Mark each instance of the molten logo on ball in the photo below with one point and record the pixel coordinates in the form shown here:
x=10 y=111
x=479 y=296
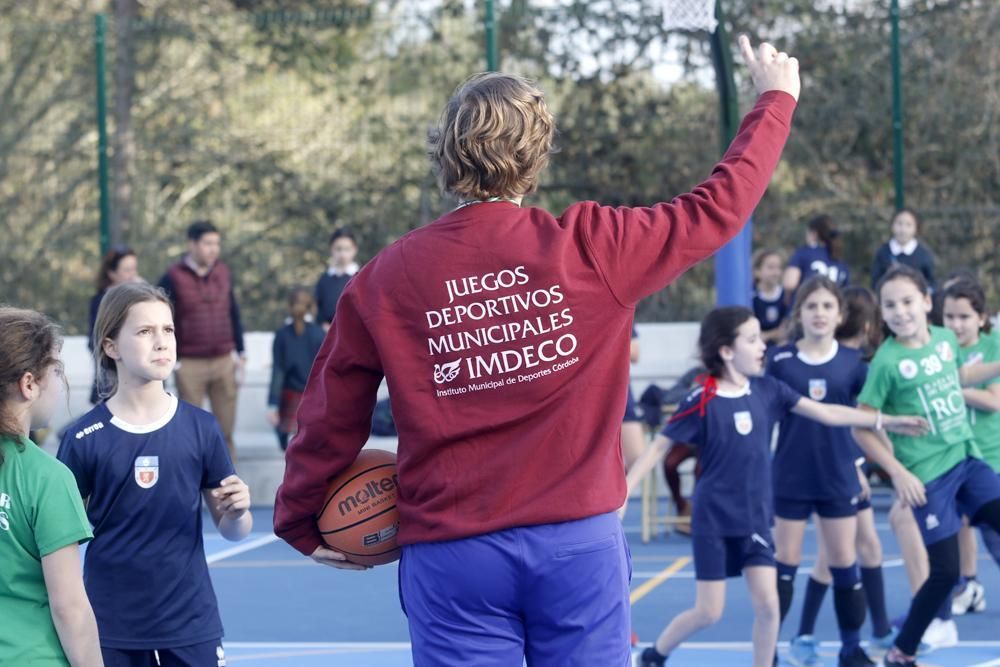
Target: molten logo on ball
x=370 y=492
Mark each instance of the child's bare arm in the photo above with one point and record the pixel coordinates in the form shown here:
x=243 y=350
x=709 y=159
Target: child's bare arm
x=647 y=461
x=978 y=373
x=842 y=415
x=987 y=400
x=72 y=615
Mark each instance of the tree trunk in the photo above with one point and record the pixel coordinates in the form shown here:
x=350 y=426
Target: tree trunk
x=122 y=137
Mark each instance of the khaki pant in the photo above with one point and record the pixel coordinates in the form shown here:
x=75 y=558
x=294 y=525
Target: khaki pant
x=216 y=377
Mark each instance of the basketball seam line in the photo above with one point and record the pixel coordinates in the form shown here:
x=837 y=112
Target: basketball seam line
x=358 y=523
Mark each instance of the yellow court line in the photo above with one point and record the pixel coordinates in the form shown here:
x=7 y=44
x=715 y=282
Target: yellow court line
x=667 y=572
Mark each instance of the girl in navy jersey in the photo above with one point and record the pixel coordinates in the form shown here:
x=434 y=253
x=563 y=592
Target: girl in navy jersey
x=815 y=469
x=769 y=306
x=859 y=329
x=730 y=418
x=145 y=462
x=820 y=256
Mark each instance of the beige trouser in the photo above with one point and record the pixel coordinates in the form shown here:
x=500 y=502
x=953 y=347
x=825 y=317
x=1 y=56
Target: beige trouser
x=216 y=377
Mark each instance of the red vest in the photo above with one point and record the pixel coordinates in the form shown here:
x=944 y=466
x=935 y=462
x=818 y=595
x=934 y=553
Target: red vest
x=202 y=311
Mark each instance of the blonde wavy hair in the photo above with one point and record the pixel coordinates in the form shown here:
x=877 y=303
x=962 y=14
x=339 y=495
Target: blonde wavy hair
x=493 y=139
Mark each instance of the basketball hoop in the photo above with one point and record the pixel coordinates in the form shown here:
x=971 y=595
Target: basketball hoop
x=689 y=15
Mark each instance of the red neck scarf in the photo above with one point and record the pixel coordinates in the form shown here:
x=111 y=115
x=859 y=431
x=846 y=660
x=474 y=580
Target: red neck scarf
x=709 y=389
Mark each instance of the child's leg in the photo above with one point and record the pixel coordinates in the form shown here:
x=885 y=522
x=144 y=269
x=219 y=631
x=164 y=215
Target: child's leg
x=869 y=548
x=904 y=526
x=633 y=442
x=788 y=536
x=943 y=559
x=819 y=582
x=839 y=535
x=709 y=601
x=967 y=550
x=991 y=538
x=761 y=580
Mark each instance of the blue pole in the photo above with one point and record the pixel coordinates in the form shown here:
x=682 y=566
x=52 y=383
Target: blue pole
x=733 y=284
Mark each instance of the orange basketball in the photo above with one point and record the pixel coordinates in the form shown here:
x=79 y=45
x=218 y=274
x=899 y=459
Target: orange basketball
x=359 y=517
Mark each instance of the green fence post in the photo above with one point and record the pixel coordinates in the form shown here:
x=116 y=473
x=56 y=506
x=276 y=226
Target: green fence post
x=100 y=32
x=897 y=107
x=490 y=23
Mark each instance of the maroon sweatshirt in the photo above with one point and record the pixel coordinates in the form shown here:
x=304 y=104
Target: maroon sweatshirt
x=503 y=334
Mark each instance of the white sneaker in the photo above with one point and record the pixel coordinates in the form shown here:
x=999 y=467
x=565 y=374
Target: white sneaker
x=939 y=634
x=972 y=598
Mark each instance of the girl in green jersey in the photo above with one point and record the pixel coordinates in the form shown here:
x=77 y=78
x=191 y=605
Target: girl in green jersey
x=940 y=475
x=45 y=616
x=965 y=313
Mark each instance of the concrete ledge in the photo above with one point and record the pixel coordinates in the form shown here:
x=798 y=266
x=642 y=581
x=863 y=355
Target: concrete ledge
x=667 y=351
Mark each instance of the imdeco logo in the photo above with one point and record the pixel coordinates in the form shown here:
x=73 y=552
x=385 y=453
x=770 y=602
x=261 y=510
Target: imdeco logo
x=447 y=372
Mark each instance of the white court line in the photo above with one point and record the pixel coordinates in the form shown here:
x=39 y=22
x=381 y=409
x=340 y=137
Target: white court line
x=988 y=663
x=802 y=572
x=688 y=645
x=242 y=548
x=318 y=645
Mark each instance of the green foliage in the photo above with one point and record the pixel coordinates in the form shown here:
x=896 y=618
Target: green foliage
x=281 y=120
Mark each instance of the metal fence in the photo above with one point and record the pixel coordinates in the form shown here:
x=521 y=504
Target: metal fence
x=280 y=126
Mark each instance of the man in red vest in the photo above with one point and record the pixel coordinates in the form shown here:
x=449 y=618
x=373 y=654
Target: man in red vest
x=208 y=327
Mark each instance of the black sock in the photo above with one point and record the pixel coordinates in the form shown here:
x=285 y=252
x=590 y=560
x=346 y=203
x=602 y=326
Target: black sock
x=871 y=579
x=815 y=592
x=944 y=562
x=786 y=587
x=849 y=603
x=652 y=655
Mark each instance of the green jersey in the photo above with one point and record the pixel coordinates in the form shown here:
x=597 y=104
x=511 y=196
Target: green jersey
x=924 y=382
x=40 y=512
x=985 y=425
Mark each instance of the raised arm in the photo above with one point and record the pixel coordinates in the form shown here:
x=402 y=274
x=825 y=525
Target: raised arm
x=642 y=249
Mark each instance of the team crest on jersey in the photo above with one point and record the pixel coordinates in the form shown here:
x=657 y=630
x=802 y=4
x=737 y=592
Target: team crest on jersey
x=817 y=389
x=147 y=471
x=743 y=421
x=944 y=351
x=771 y=314
x=973 y=359
x=908 y=369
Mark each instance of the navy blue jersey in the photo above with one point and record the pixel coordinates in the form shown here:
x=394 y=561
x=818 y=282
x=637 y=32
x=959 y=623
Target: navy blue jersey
x=816 y=261
x=770 y=312
x=813 y=461
x=733 y=495
x=145 y=571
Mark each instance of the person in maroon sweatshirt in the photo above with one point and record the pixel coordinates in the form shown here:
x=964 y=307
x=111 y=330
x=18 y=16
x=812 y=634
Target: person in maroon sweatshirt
x=208 y=327
x=503 y=332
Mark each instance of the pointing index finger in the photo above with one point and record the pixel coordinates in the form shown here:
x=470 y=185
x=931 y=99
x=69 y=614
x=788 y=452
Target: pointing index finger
x=746 y=49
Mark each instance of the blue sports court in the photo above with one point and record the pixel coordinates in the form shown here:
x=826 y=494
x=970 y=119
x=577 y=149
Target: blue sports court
x=280 y=609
